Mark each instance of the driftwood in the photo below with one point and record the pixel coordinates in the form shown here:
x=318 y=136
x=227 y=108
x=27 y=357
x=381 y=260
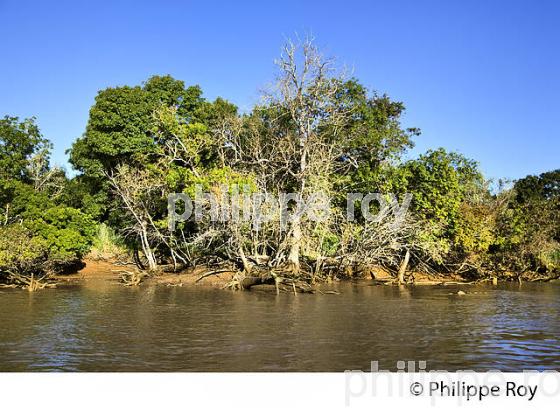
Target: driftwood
x=249 y=281
x=282 y=281
x=132 y=278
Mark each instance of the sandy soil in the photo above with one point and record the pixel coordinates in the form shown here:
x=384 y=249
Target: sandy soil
x=94 y=269
x=109 y=271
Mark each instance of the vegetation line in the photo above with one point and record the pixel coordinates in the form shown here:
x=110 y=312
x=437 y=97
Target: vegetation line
x=315 y=130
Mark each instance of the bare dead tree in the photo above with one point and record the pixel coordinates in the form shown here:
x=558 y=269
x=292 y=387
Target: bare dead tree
x=135 y=188
x=291 y=143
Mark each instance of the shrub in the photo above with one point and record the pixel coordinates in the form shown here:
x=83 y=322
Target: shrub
x=67 y=232
x=20 y=251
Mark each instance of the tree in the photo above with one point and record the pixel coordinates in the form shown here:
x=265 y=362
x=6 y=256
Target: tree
x=120 y=130
x=46 y=235
x=529 y=227
x=440 y=182
x=138 y=192
x=375 y=138
x=121 y=123
x=309 y=120
x=544 y=187
x=19 y=141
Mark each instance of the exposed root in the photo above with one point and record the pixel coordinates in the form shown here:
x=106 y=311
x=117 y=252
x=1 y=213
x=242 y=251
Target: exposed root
x=31 y=282
x=283 y=281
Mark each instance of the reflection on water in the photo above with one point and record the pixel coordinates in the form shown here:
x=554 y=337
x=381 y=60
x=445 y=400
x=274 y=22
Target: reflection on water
x=101 y=326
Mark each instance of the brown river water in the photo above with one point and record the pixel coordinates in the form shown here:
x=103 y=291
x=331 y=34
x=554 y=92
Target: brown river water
x=103 y=326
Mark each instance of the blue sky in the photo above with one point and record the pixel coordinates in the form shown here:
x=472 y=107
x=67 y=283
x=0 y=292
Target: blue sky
x=479 y=77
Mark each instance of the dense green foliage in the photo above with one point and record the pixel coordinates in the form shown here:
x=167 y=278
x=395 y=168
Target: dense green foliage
x=39 y=232
x=529 y=225
x=19 y=141
x=320 y=132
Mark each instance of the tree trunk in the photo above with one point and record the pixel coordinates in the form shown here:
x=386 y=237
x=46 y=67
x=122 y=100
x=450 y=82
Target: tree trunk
x=404 y=265
x=295 y=246
x=246 y=264
x=148 y=252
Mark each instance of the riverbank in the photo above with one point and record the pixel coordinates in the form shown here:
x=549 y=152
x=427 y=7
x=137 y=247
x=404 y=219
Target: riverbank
x=107 y=270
